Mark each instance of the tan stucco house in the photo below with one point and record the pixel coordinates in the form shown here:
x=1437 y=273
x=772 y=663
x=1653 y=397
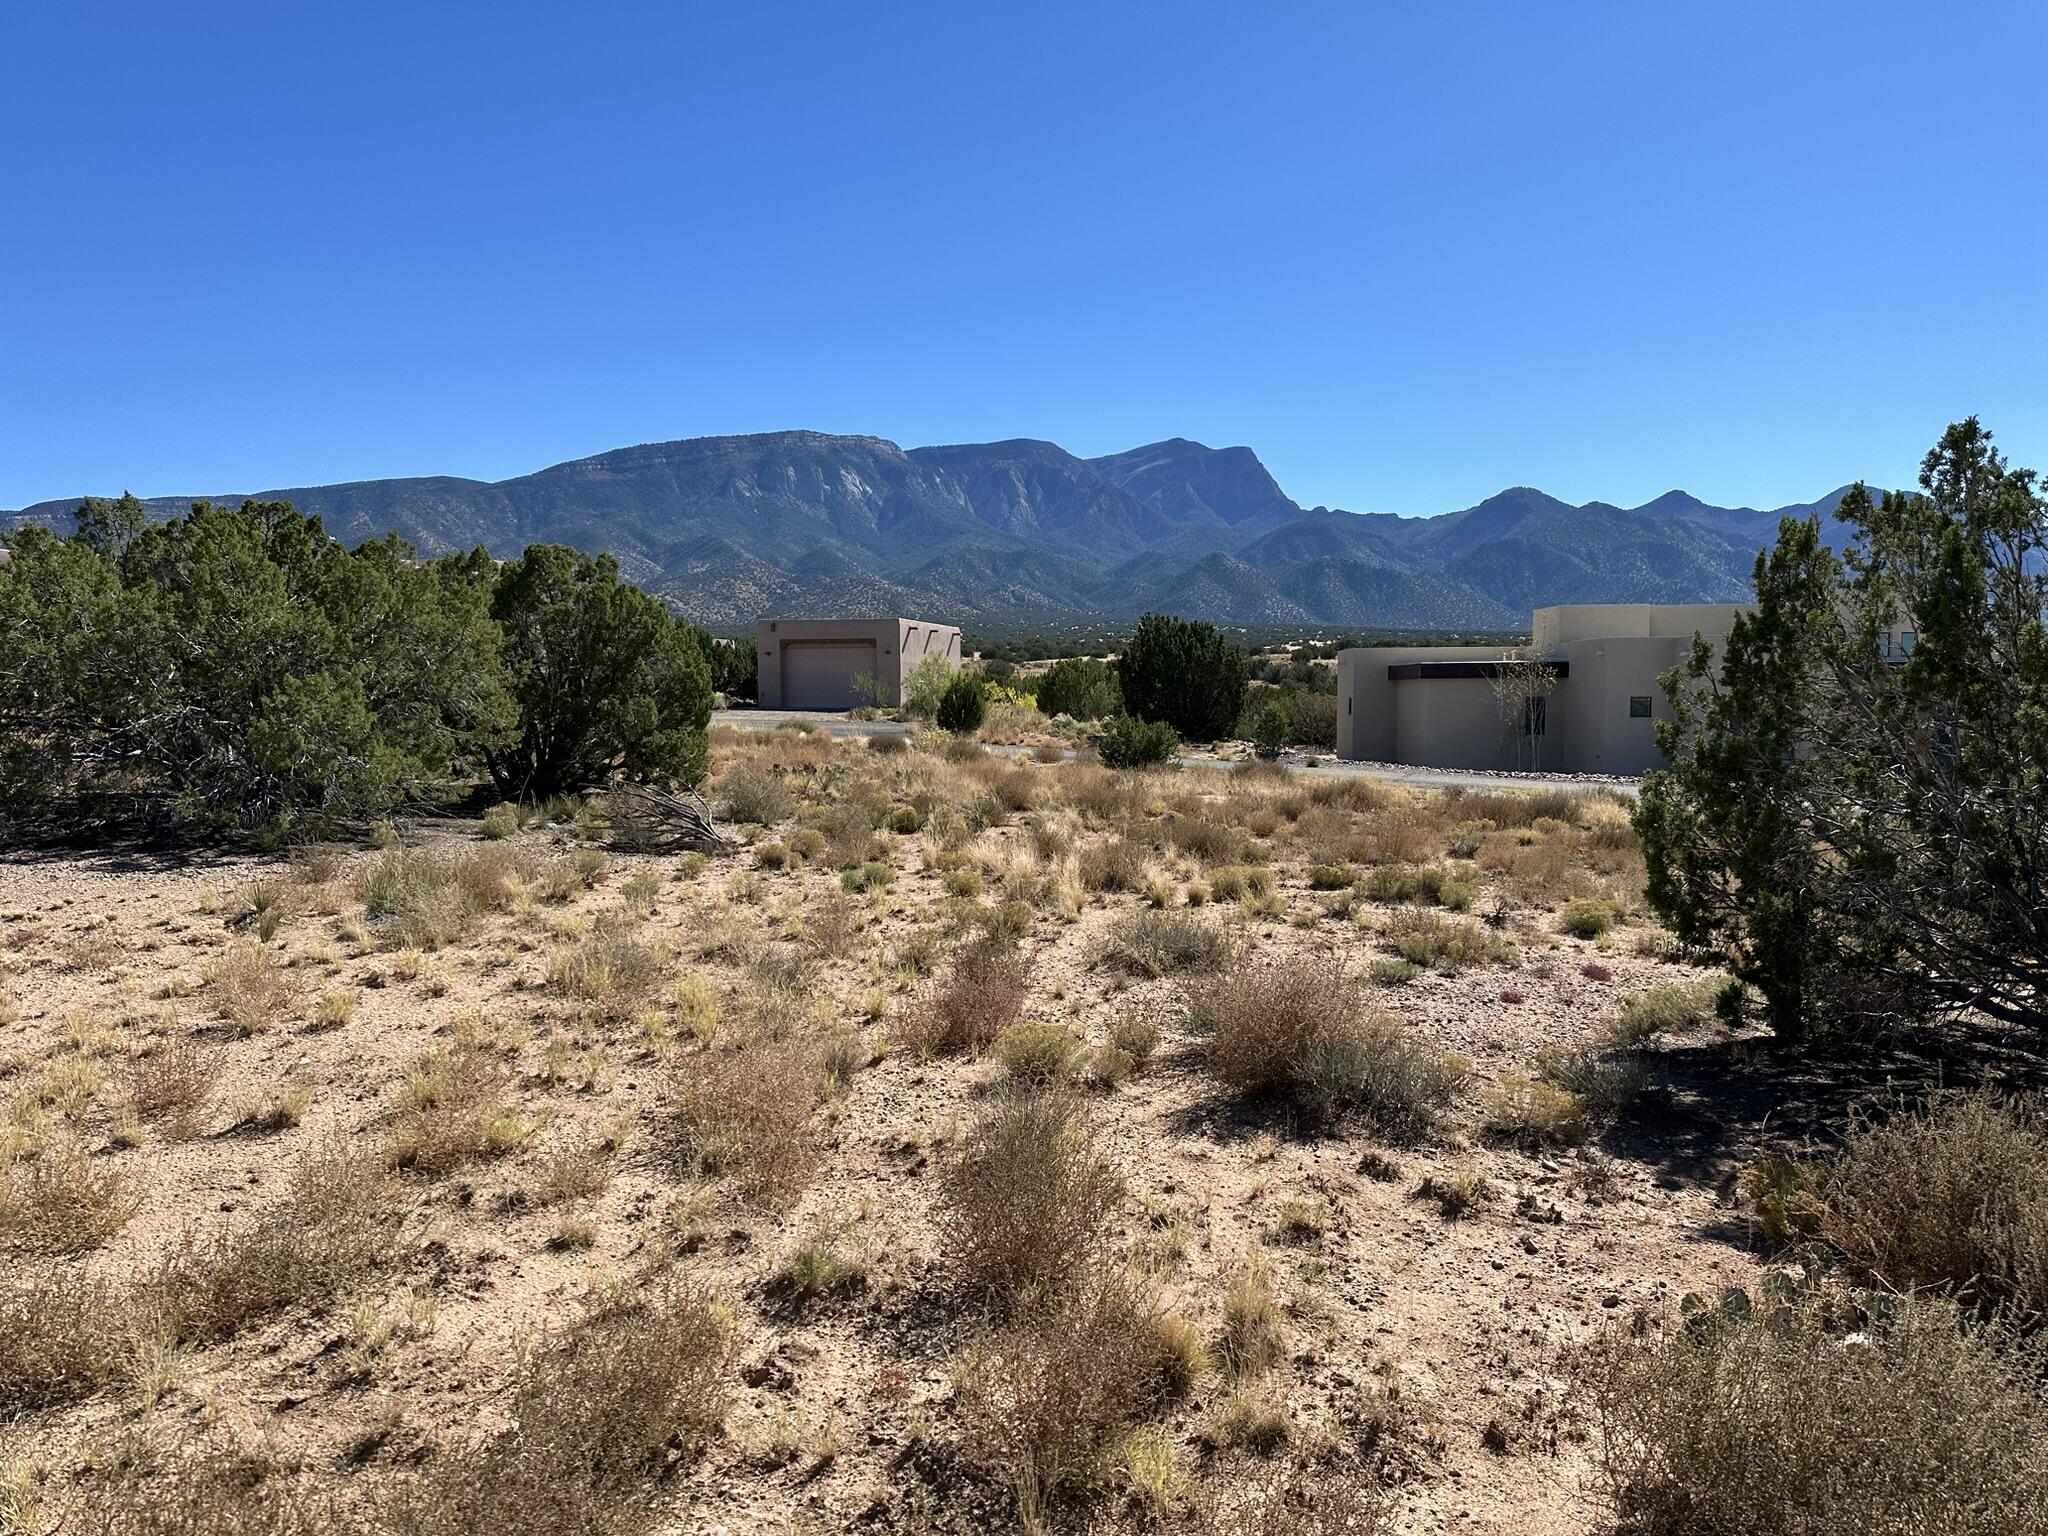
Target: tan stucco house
x=817 y=663
x=1439 y=706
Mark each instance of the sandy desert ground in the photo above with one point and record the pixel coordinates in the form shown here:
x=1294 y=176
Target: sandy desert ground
x=563 y=1083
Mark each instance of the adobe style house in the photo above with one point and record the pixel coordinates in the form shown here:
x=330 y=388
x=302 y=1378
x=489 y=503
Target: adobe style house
x=1459 y=706
x=824 y=663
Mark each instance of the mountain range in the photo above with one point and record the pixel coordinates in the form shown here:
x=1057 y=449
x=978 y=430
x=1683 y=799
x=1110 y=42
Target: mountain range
x=728 y=529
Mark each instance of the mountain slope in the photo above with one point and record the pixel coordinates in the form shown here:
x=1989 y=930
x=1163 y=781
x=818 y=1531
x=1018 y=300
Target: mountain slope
x=727 y=529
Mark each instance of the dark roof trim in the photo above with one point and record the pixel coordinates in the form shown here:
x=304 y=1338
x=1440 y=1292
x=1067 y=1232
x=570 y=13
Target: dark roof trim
x=1409 y=671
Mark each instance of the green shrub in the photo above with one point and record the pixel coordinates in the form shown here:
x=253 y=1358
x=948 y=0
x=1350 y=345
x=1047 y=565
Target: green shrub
x=1081 y=688
x=1270 y=727
x=1424 y=885
x=1182 y=671
x=1233 y=882
x=924 y=690
x=605 y=680
x=1133 y=743
x=871 y=876
x=963 y=706
x=1332 y=877
x=1585 y=918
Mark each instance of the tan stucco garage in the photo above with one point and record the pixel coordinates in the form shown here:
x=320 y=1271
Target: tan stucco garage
x=813 y=663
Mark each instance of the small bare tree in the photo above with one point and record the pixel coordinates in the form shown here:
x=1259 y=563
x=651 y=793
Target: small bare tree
x=1522 y=685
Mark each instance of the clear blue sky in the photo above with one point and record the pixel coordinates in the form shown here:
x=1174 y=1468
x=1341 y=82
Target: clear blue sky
x=1410 y=254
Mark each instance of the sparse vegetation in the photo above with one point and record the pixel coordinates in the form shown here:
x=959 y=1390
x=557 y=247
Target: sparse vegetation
x=895 y=1122
x=1310 y=1033
x=1753 y=1420
x=981 y=994
x=1026 y=1206
x=1163 y=943
x=746 y=1116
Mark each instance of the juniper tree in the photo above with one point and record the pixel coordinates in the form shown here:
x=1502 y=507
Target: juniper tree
x=1183 y=672
x=1857 y=807
x=605 y=680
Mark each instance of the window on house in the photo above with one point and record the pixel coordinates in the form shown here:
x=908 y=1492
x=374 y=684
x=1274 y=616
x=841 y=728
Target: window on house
x=1639 y=706
x=1535 y=715
x=1906 y=638
x=1884 y=644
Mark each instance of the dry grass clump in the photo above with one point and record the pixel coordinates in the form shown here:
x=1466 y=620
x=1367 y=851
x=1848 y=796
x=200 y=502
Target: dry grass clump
x=1754 y=1422
x=426 y=898
x=1047 y=1400
x=56 y=1345
x=249 y=988
x=1952 y=1197
x=173 y=1087
x=1025 y=1209
x=1038 y=1053
x=1573 y=1092
x=1253 y=1336
x=1403 y=832
x=753 y=794
x=1297 y=1496
x=1535 y=1112
x=1517 y=807
x=1154 y=943
x=62 y=1201
x=1437 y=885
x=980 y=995
x=338 y=1220
x=746 y=1115
x=596 y=1417
x=65 y=1335
x=832 y=927
x=611 y=969
x=1308 y=1032
x=849 y=836
x=454 y=1105
x=1116 y=864
x=1432 y=940
x=1212 y=841
x=203 y=1490
x=818 y=1267
x=1669 y=1009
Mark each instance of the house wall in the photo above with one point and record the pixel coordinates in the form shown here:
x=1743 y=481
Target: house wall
x=1590 y=729
x=899 y=645
x=1612 y=652
x=1371 y=725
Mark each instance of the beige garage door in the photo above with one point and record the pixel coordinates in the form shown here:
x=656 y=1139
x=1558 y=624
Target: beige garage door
x=819 y=674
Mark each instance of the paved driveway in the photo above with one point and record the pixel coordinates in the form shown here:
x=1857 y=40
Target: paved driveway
x=1326 y=768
